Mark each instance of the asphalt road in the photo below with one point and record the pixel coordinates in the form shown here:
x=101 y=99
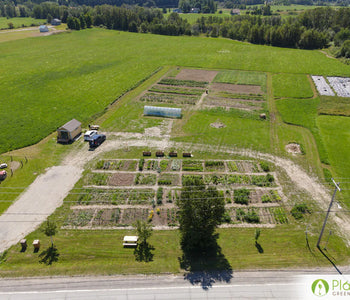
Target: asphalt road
x=242 y=285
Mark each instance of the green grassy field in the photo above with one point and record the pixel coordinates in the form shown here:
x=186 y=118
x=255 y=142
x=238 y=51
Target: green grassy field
x=242 y=77
x=20 y=22
x=303 y=112
x=291 y=86
x=336 y=136
x=44 y=83
x=240 y=131
x=101 y=252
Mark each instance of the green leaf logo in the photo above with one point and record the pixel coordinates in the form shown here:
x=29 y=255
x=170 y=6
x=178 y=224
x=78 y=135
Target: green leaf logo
x=320 y=287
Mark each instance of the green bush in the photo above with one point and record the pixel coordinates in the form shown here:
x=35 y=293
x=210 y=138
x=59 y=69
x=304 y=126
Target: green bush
x=159 y=196
x=141 y=163
x=264 y=166
x=251 y=217
x=241 y=196
x=299 y=210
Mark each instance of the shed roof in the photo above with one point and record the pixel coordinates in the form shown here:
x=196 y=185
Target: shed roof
x=71 y=125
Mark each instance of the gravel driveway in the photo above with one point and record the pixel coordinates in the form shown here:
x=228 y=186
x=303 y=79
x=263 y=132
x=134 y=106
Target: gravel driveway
x=39 y=201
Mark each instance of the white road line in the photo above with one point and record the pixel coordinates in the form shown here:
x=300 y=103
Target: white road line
x=149 y=289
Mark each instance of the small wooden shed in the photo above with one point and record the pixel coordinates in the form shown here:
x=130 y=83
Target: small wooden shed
x=69 y=131
x=55 y=22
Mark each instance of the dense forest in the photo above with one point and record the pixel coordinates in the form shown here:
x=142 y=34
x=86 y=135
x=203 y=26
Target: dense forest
x=313 y=29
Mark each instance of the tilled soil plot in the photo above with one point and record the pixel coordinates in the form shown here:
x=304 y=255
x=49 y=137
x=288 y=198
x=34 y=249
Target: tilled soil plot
x=236 y=88
x=121 y=179
x=196 y=75
x=236 y=103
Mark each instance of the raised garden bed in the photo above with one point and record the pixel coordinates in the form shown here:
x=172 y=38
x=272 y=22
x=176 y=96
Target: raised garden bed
x=192 y=166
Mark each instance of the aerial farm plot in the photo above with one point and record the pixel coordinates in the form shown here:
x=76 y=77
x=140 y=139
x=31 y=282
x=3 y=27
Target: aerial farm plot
x=322 y=86
x=113 y=195
x=340 y=85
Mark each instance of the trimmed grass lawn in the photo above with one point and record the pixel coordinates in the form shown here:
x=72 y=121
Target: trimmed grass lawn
x=291 y=86
x=336 y=136
x=303 y=112
x=101 y=252
x=239 y=131
x=46 y=81
x=242 y=77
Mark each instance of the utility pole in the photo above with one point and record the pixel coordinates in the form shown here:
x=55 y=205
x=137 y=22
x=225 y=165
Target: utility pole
x=337 y=188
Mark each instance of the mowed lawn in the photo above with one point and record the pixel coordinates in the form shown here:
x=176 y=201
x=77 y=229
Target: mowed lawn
x=47 y=81
x=101 y=252
x=239 y=131
x=336 y=135
x=291 y=86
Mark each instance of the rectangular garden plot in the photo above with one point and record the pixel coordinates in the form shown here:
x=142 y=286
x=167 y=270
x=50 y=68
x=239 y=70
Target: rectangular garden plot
x=106 y=217
x=192 y=165
x=214 y=166
x=141 y=196
x=121 y=165
x=79 y=217
x=236 y=88
x=130 y=215
x=145 y=179
x=121 y=179
x=103 y=196
x=97 y=179
x=170 y=98
x=169 y=179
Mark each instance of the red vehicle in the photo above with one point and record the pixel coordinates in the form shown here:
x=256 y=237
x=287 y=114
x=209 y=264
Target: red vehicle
x=3 y=175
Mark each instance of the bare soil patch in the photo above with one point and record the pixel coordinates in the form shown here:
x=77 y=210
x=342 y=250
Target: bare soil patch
x=196 y=75
x=293 y=148
x=236 y=88
x=217 y=125
x=121 y=179
x=14 y=165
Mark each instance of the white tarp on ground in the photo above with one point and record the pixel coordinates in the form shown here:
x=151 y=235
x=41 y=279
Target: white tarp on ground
x=322 y=86
x=340 y=85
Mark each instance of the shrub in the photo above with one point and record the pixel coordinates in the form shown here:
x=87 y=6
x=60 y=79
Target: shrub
x=251 y=217
x=159 y=196
x=241 y=196
x=141 y=163
x=266 y=198
x=299 y=210
x=264 y=166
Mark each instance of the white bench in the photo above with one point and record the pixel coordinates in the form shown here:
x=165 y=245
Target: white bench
x=130 y=241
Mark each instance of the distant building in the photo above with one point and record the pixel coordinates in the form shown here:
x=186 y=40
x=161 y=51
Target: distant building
x=43 y=28
x=56 y=22
x=177 y=10
x=69 y=131
x=195 y=10
x=235 y=12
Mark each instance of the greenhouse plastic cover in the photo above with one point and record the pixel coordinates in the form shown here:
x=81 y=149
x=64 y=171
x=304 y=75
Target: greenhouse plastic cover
x=170 y=112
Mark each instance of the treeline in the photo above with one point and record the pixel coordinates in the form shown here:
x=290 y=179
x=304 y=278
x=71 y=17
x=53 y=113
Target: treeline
x=133 y=19
x=313 y=29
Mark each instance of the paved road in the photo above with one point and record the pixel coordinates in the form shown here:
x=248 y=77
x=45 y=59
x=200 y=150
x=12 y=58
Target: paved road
x=248 y=285
x=39 y=201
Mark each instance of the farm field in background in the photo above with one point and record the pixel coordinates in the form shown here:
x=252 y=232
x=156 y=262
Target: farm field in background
x=20 y=22
x=91 y=76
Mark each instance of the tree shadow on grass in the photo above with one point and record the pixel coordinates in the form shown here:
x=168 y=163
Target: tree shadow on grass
x=143 y=252
x=258 y=246
x=207 y=267
x=49 y=255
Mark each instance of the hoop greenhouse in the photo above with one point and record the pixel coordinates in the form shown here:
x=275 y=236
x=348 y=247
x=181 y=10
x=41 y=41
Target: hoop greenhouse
x=169 y=112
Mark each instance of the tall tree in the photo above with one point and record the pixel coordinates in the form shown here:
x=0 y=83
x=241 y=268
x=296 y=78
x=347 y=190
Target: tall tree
x=200 y=211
